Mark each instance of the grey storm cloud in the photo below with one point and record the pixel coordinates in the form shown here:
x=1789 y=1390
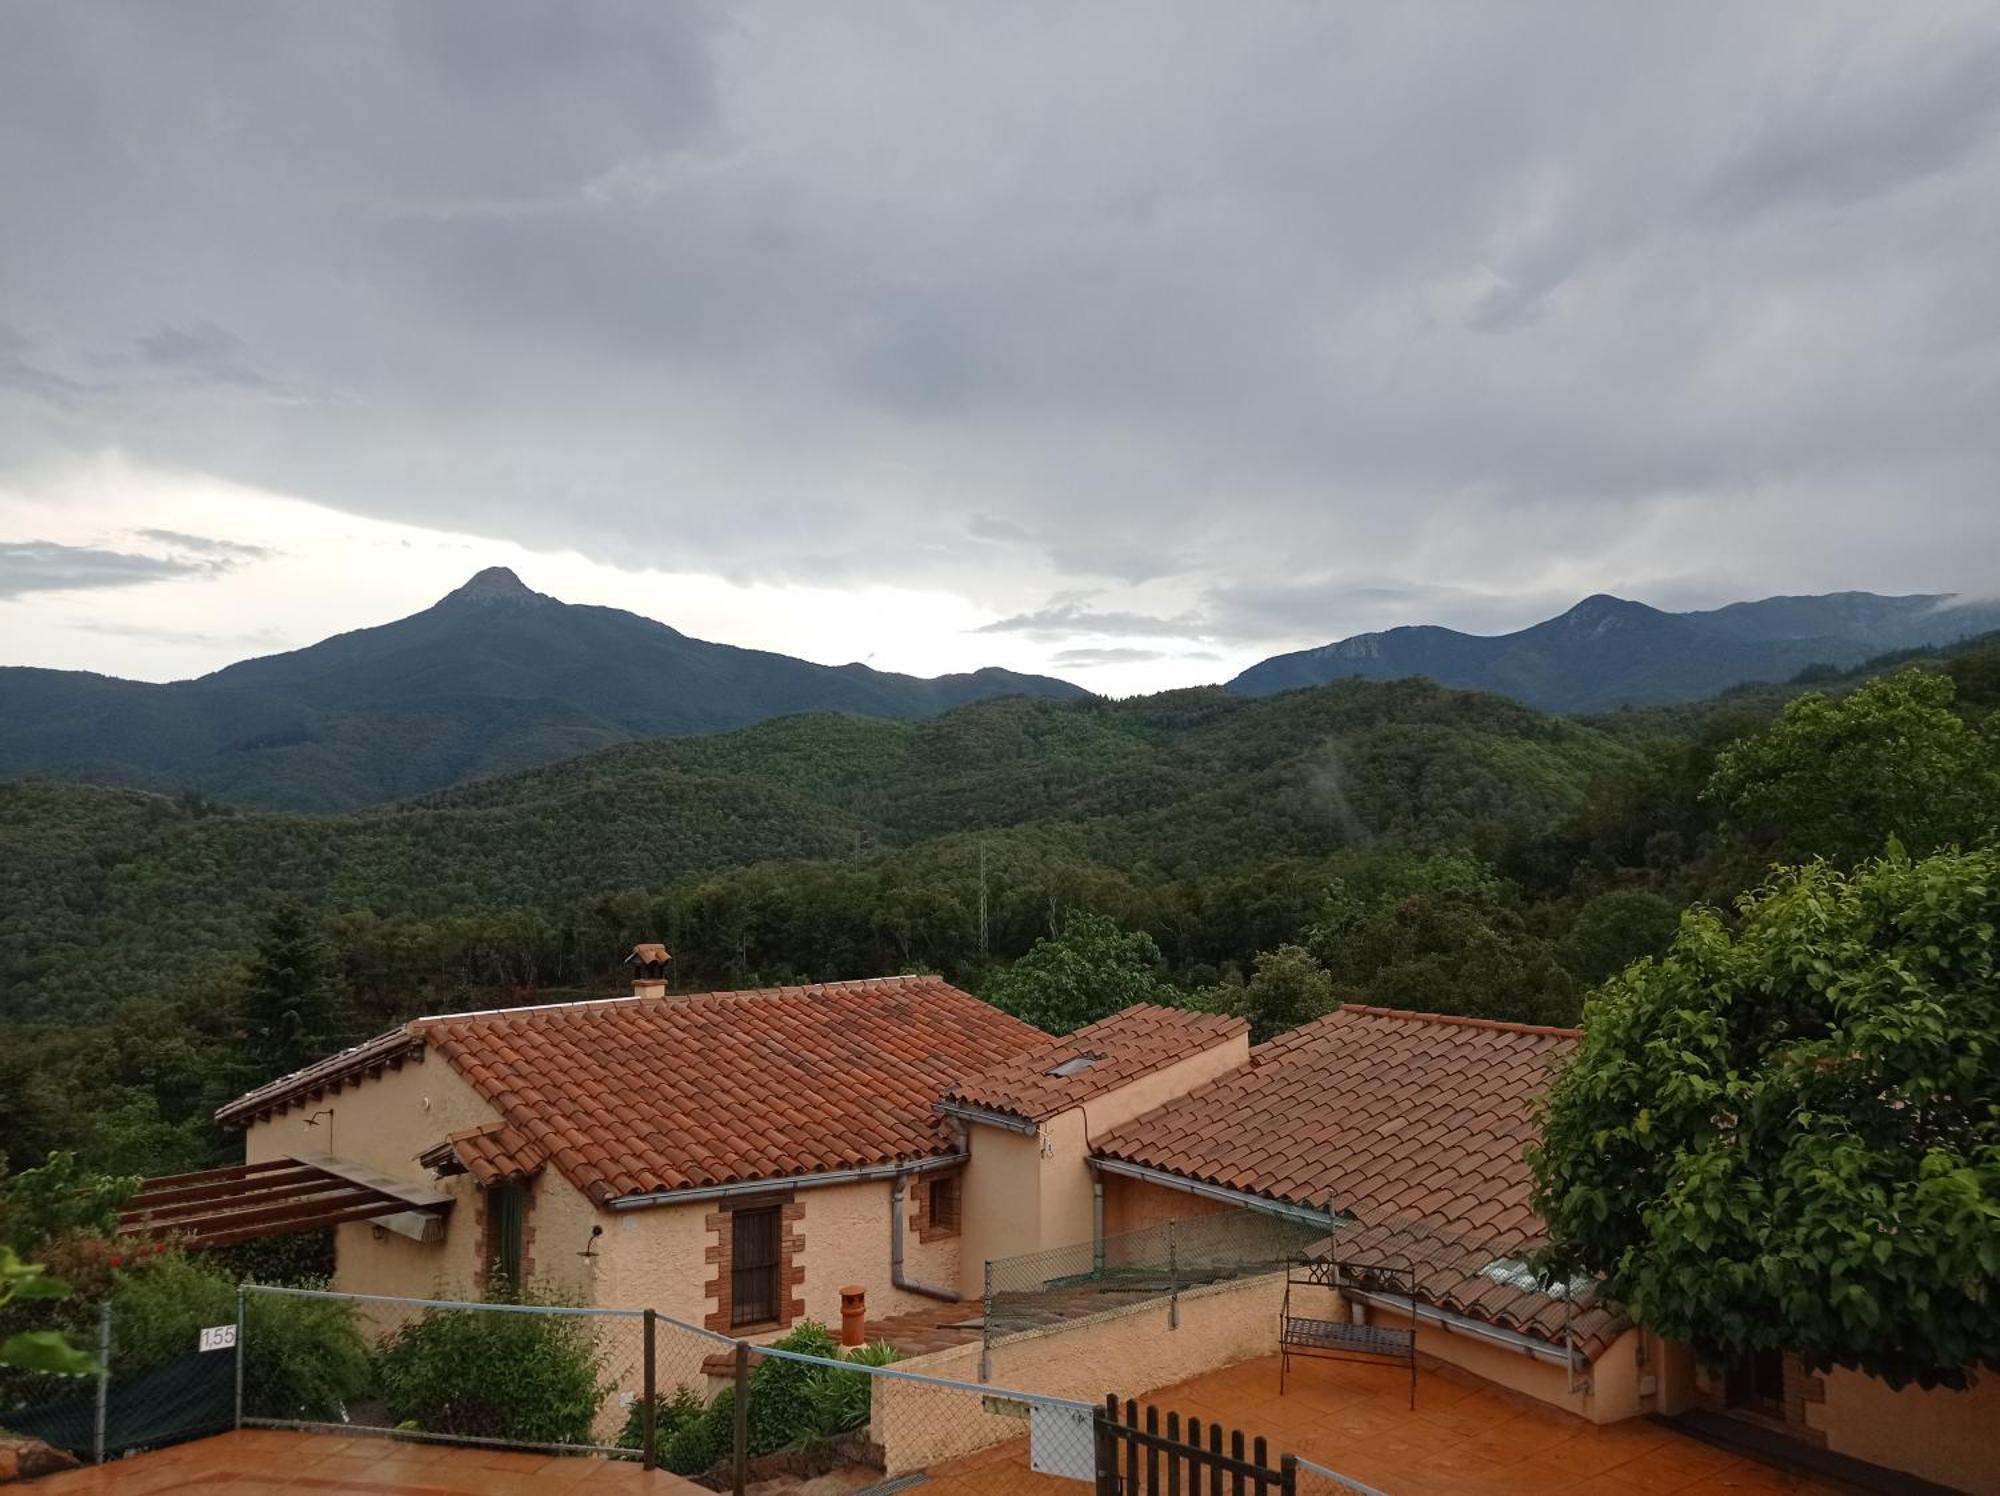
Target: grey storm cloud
x=1240 y=307
x=44 y=566
x=206 y=545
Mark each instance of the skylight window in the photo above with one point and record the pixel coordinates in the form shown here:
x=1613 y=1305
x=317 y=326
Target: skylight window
x=1514 y=1273
x=1074 y=1066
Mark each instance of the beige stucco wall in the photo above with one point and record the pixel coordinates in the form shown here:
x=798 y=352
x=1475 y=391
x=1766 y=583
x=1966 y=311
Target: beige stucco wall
x=653 y=1259
x=1130 y=1351
x=1002 y=1201
x=1134 y=1205
x=1608 y=1394
x=385 y=1123
x=1952 y=1438
x=657 y=1257
x=1031 y=1193
x=1138 y=1350
x=1115 y=1108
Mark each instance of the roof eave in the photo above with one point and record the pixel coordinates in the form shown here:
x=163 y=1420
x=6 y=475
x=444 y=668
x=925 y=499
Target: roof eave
x=861 y=1174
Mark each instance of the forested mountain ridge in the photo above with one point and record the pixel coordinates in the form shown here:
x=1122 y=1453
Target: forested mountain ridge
x=490 y=679
x=1607 y=652
x=1396 y=842
x=806 y=847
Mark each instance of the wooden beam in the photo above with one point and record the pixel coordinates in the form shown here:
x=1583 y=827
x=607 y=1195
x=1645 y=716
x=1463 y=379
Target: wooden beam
x=204 y=1176
x=316 y=1184
x=148 y=1199
x=234 y=1235
x=267 y=1214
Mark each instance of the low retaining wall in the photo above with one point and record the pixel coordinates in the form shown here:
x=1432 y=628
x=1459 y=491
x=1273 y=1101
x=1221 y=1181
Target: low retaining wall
x=1130 y=1351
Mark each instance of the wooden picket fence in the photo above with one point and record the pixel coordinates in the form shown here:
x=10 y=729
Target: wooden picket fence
x=1139 y=1454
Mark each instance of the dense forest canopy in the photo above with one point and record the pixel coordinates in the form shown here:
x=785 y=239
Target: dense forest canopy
x=1396 y=842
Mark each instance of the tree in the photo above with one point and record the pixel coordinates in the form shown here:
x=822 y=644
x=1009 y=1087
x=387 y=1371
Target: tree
x=58 y=1201
x=1089 y=971
x=1838 y=778
x=1787 y=1135
x=36 y=1350
x=1288 y=988
x=1438 y=932
x=292 y=1007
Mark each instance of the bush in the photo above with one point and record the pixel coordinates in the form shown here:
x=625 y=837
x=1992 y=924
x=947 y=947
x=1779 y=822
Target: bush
x=494 y=1374
x=302 y=1357
x=670 y=1416
x=792 y=1403
x=782 y=1393
x=699 y=1443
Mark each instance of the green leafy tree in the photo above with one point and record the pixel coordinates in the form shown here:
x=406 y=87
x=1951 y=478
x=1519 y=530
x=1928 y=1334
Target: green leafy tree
x=1438 y=932
x=1837 y=778
x=57 y=1201
x=1089 y=971
x=36 y=1350
x=292 y=1006
x=1786 y=1136
x=1289 y=987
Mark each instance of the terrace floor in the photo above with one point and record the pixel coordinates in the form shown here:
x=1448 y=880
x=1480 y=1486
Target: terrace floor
x=1465 y=1438
x=253 y=1462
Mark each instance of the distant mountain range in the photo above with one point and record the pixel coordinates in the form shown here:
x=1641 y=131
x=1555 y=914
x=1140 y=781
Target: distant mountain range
x=492 y=678
x=1606 y=652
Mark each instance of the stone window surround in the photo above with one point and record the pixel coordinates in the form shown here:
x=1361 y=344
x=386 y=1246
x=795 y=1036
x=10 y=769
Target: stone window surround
x=489 y=1249
x=791 y=1261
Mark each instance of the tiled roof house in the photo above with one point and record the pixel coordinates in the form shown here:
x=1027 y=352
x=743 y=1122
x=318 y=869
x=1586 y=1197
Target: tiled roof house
x=737 y=1159
x=732 y=1158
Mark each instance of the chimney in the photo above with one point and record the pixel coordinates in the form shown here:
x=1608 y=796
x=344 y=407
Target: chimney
x=649 y=968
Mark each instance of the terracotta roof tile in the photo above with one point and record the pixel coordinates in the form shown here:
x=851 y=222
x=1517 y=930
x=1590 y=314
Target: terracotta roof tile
x=1412 y=1124
x=1101 y=1057
x=494 y=1154
x=642 y=1095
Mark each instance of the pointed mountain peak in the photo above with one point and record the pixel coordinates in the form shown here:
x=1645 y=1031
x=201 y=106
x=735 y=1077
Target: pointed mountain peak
x=1602 y=610
x=496 y=584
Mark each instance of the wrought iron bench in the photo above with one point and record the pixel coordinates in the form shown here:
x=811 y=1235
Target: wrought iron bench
x=1339 y=1340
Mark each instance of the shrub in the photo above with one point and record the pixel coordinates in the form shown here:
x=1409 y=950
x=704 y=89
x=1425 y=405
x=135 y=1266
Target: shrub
x=782 y=1393
x=302 y=1357
x=670 y=1416
x=792 y=1403
x=494 y=1374
x=840 y=1399
x=700 y=1442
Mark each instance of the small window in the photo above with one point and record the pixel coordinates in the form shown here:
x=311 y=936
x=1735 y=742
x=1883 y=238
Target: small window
x=1074 y=1066
x=753 y=1266
x=942 y=1206
x=506 y=1223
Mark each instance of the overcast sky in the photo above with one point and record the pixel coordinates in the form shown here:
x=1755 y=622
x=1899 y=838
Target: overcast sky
x=1132 y=342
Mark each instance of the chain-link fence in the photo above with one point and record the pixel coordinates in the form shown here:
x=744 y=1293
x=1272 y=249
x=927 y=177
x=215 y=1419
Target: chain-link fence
x=150 y=1389
x=528 y=1376
x=629 y=1383
x=1313 y=1479
x=1038 y=1289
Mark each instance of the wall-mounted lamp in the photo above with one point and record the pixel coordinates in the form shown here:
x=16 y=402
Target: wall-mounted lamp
x=313 y=1121
x=590 y=1247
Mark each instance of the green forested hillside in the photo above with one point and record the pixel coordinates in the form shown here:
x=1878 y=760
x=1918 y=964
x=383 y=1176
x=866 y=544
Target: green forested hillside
x=1413 y=844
